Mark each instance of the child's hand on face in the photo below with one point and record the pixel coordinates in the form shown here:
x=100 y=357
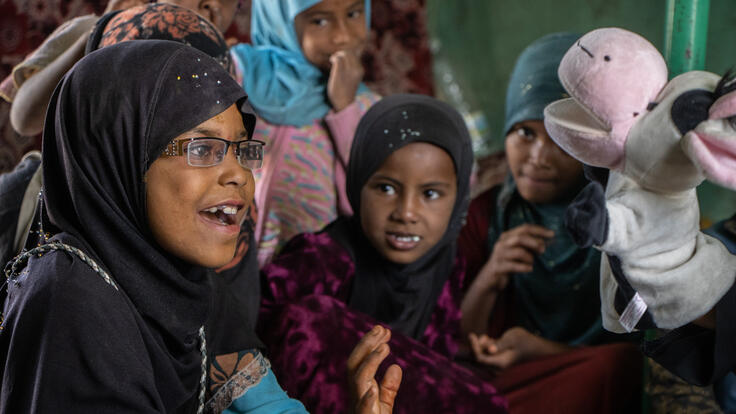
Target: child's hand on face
x=346 y=73
x=514 y=346
x=514 y=253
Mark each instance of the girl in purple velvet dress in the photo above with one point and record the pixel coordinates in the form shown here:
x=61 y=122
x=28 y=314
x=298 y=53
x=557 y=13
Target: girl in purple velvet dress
x=394 y=261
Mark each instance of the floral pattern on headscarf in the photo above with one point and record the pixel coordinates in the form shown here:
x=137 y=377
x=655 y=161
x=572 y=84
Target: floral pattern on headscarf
x=165 y=22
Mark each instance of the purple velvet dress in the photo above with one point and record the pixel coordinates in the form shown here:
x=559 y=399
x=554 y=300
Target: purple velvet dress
x=310 y=332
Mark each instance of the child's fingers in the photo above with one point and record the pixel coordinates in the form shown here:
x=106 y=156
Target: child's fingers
x=367 y=344
x=475 y=345
x=365 y=375
x=482 y=346
x=535 y=230
x=488 y=344
x=348 y=60
x=507 y=267
x=500 y=360
x=390 y=386
x=367 y=401
x=335 y=61
x=528 y=241
x=515 y=254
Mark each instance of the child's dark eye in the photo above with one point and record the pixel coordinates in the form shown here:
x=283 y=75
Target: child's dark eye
x=319 y=22
x=386 y=189
x=526 y=133
x=432 y=194
x=355 y=14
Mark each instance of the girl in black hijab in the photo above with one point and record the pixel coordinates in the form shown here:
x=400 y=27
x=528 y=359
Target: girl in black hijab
x=120 y=311
x=394 y=261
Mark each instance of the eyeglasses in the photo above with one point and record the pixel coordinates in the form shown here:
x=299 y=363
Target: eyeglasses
x=210 y=151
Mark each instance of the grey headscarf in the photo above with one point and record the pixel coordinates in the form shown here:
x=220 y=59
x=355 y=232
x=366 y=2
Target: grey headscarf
x=534 y=82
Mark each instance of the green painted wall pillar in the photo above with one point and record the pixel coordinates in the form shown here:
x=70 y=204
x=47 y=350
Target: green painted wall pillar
x=686 y=32
x=685 y=36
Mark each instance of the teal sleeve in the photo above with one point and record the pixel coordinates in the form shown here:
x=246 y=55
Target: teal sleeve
x=266 y=398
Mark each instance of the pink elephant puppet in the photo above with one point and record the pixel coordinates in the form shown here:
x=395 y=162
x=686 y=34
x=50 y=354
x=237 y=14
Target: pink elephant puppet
x=658 y=140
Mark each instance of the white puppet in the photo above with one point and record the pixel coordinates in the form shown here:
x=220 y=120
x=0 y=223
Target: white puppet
x=659 y=140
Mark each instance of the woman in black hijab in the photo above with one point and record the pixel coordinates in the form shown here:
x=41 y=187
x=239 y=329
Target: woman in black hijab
x=120 y=311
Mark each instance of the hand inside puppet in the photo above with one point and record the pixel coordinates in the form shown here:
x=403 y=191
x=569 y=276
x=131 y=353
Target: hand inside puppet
x=659 y=140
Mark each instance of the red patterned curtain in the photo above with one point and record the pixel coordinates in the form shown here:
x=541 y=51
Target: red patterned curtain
x=398 y=59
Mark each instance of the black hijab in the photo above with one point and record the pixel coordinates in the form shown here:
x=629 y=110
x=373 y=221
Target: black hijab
x=403 y=296
x=238 y=280
x=109 y=119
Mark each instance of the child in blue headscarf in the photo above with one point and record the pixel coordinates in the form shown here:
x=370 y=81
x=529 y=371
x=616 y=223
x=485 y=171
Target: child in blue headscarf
x=532 y=311
x=303 y=77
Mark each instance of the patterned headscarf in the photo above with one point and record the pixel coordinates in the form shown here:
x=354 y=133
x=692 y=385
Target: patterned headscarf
x=161 y=21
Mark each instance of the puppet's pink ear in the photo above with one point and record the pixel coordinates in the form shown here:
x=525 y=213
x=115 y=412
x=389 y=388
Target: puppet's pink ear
x=582 y=135
x=712 y=144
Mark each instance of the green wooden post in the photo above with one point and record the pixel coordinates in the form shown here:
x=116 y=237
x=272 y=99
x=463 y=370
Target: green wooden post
x=686 y=31
x=685 y=36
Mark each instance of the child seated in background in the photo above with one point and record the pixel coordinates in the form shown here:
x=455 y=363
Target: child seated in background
x=303 y=77
x=36 y=77
x=533 y=305
x=395 y=260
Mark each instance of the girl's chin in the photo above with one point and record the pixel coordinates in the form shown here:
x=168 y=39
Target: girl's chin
x=400 y=257
x=214 y=259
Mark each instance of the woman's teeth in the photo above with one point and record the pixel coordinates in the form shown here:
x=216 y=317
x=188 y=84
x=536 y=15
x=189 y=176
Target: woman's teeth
x=224 y=209
x=225 y=214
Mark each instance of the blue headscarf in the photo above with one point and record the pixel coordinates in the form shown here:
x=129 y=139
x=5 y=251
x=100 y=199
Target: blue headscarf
x=283 y=87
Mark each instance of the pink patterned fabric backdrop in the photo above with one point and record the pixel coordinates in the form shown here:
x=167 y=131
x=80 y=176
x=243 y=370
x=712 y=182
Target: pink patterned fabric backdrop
x=398 y=58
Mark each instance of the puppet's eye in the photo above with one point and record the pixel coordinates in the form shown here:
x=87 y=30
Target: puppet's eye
x=732 y=121
x=607 y=58
x=690 y=109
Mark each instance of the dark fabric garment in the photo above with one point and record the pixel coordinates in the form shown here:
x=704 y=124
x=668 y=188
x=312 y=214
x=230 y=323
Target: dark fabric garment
x=598 y=379
x=313 y=338
x=72 y=343
x=725 y=231
x=317 y=264
x=403 y=296
x=12 y=189
x=236 y=297
x=559 y=299
x=108 y=121
x=161 y=21
x=698 y=355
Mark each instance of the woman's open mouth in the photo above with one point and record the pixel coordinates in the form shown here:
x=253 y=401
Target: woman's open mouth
x=224 y=215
